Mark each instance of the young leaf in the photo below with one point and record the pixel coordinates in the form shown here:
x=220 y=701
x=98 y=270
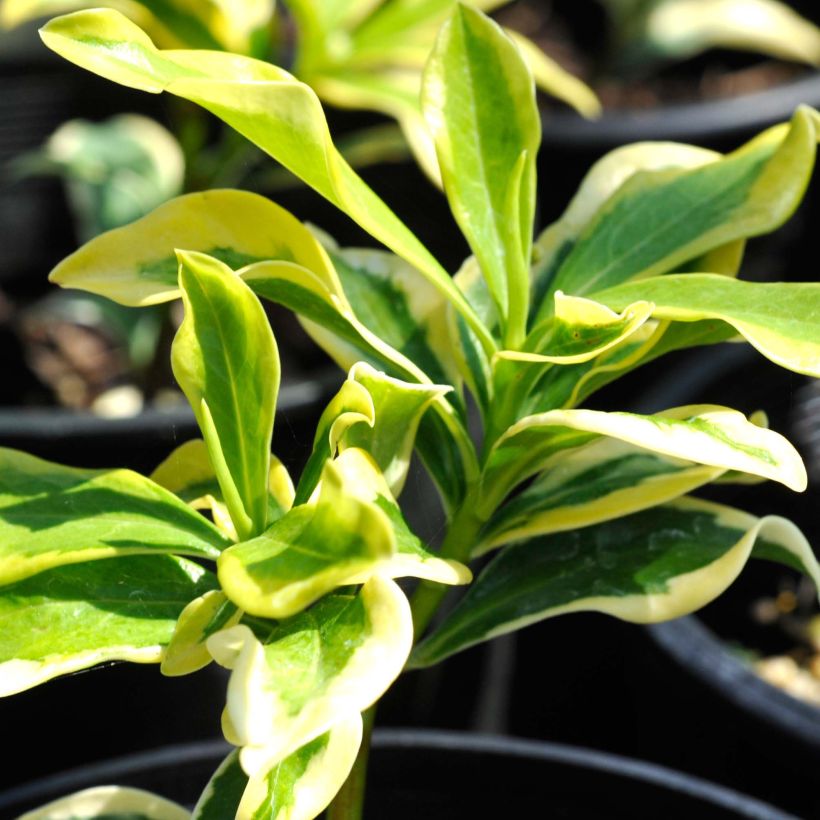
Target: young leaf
x=110 y=802
x=52 y=515
x=778 y=318
x=658 y=220
x=331 y=541
x=595 y=482
x=263 y=103
x=137 y=265
x=703 y=434
x=479 y=101
x=652 y=566
x=291 y=682
x=74 y=617
x=225 y=359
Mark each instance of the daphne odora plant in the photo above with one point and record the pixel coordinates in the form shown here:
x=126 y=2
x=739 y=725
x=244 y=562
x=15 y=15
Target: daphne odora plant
x=291 y=584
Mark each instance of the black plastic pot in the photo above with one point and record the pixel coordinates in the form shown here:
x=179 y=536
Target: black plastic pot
x=448 y=775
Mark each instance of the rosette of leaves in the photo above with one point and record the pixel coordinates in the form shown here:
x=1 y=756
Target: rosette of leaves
x=583 y=509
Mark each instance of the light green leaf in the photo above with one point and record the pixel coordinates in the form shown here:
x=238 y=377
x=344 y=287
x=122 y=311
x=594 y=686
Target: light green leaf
x=595 y=482
x=302 y=786
x=74 y=617
x=291 y=681
x=52 y=515
x=333 y=540
x=225 y=360
x=683 y=28
x=779 y=318
x=110 y=802
x=479 y=101
x=186 y=651
x=653 y=566
x=263 y=103
x=363 y=478
x=137 y=264
x=703 y=434
x=658 y=220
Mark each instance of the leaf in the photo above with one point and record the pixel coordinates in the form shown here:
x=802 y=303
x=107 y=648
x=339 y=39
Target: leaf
x=224 y=358
x=595 y=482
x=304 y=783
x=648 y=567
x=52 y=515
x=363 y=478
x=186 y=651
x=658 y=220
x=110 y=802
x=778 y=318
x=703 y=434
x=136 y=265
x=221 y=797
x=263 y=103
x=329 y=542
x=74 y=617
x=683 y=28
x=291 y=682
x=479 y=101
x=187 y=472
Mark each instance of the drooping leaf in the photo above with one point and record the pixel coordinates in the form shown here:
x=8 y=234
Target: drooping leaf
x=595 y=482
x=52 y=515
x=479 y=101
x=74 y=617
x=702 y=434
x=333 y=540
x=652 y=566
x=225 y=360
x=137 y=264
x=291 y=681
x=263 y=103
x=779 y=318
x=302 y=785
x=186 y=652
x=660 y=219
x=110 y=803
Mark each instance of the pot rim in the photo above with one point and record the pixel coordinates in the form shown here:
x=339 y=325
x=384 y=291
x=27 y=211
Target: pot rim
x=694 y=646
x=470 y=743
x=690 y=122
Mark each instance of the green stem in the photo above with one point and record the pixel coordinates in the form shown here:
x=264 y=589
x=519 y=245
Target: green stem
x=349 y=802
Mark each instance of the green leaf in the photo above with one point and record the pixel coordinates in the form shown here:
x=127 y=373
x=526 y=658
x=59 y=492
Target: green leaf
x=137 y=265
x=479 y=101
x=304 y=783
x=292 y=681
x=110 y=803
x=186 y=651
x=74 y=617
x=263 y=103
x=653 y=566
x=187 y=472
x=778 y=318
x=658 y=220
x=221 y=797
x=225 y=360
x=703 y=434
x=52 y=515
x=335 y=539
x=683 y=28
x=595 y=482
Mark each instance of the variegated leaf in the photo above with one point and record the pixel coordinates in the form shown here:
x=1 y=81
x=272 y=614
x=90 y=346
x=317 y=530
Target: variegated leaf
x=225 y=360
x=74 y=617
x=314 y=548
x=52 y=515
x=291 y=681
x=111 y=802
x=652 y=566
x=703 y=434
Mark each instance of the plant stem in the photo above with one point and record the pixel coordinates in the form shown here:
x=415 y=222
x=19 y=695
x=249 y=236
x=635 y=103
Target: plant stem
x=349 y=802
